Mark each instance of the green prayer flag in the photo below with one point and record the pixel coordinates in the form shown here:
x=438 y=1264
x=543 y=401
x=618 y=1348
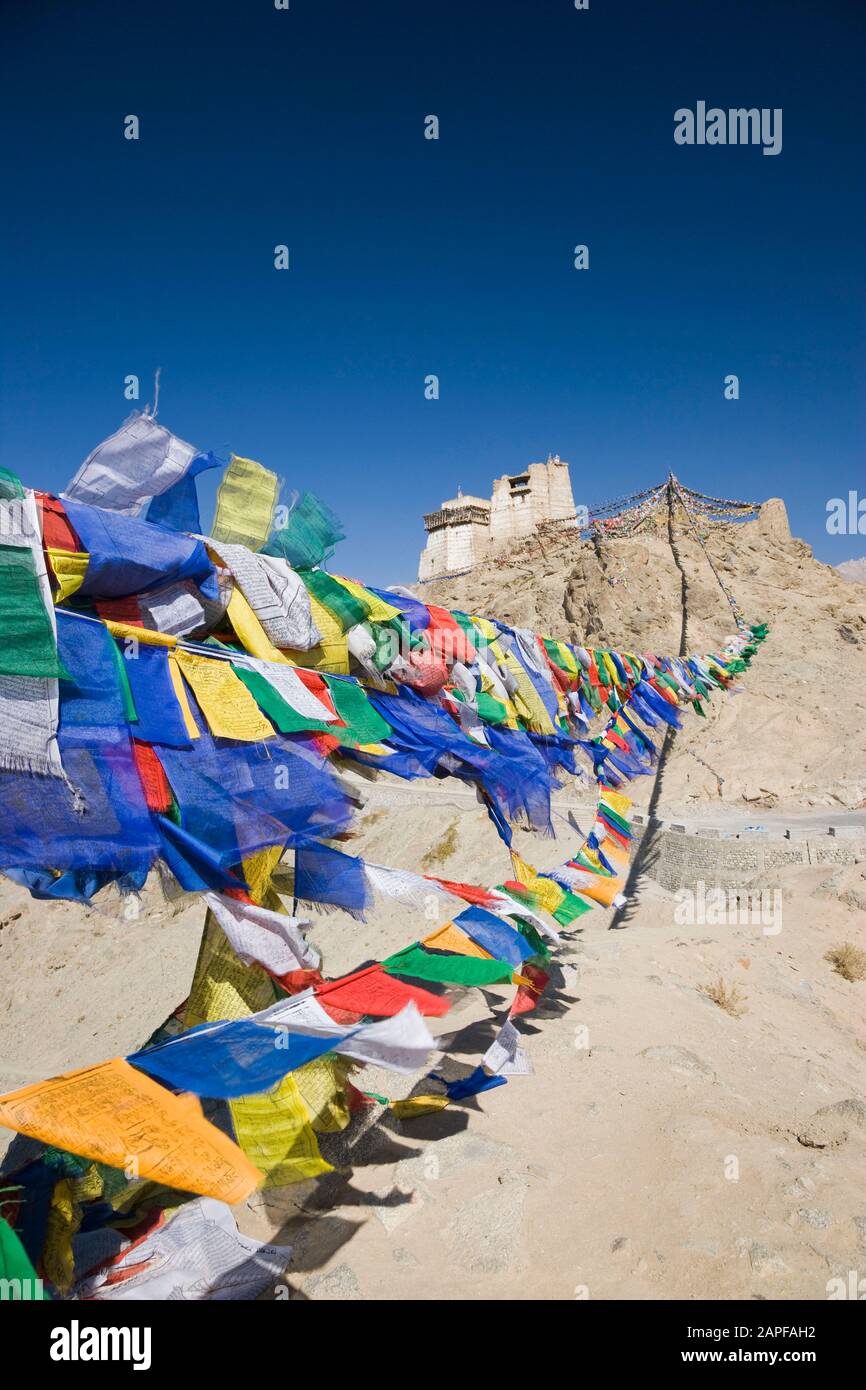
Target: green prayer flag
x=491 y=710
x=570 y=909
x=278 y=710
x=533 y=936
x=343 y=605
x=18 y=1279
x=129 y=711
x=363 y=723
x=28 y=646
x=447 y=969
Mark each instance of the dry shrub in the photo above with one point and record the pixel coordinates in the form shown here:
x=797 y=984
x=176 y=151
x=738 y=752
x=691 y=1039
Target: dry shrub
x=848 y=960
x=728 y=997
x=442 y=850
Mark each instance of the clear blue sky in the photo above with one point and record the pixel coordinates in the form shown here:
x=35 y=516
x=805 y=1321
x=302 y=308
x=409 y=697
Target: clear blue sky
x=454 y=257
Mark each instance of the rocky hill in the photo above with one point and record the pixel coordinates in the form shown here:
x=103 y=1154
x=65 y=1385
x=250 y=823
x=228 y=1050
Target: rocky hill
x=795 y=738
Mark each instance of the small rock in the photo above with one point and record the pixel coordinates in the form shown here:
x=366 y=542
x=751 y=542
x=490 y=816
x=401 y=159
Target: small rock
x=678 y=1059
x=403 y=1256
x=813 y=1216
x=799 y=1188
x=337 y=1284
x=852 y=1110
x=827 y=1128
x=764 y=1261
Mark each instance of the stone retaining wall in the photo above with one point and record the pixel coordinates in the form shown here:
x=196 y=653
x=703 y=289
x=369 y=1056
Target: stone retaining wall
x=676 y=859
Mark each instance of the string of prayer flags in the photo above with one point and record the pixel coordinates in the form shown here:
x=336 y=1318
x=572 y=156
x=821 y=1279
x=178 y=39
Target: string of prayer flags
x=208 y=757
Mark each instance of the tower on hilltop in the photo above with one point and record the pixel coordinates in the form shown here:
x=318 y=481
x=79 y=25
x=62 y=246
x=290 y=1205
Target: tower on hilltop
x=465 y=530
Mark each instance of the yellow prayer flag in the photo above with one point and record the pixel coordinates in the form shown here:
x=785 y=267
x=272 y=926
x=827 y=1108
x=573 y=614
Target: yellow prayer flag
x=64 y=1221
x=322 y=1084
x=485 y=627
x=610 y=668
x=548 y=893
x=566 y=658
x=274 y=1130
x=378 y=610
x=414 y=1106
x=616 y=801
x=145 y=635
x=245 y=503
x=179 y=689
x=453 y=938
x=249 y=630
x=332 y=653
x=527 y=700
x=69 y=568
x=222 y=986
x=258 y=870
x=226 y=703
x=119 y=1116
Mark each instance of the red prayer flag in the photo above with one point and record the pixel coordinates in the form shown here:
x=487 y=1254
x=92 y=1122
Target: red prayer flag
x=372 y=991
x=157 y=792
x=57 y=532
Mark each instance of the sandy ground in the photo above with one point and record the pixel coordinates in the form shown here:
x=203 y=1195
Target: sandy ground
x=654 y=1152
